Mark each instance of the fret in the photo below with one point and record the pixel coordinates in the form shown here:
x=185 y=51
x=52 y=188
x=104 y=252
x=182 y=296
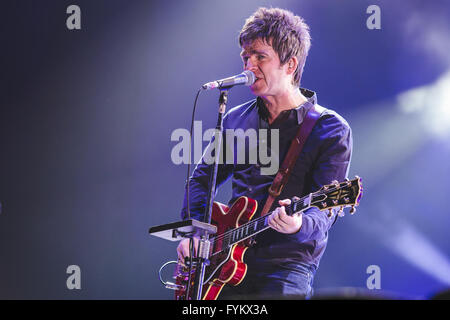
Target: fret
x=225 y=243
x=327 y=197
x=260 y=224
x=301 y=204
x=213 y=245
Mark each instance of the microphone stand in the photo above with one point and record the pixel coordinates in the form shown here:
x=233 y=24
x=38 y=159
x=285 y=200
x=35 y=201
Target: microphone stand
x=204 y=243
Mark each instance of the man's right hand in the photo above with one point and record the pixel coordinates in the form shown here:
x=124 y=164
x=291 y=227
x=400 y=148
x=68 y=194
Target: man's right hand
x=183 y=249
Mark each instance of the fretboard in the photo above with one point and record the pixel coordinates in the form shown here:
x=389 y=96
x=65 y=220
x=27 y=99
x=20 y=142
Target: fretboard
x=253 y=227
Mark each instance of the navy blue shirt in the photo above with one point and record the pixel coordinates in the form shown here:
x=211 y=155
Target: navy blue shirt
x=325 y=157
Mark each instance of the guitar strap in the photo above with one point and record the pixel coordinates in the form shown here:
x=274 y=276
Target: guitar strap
x=295 y=148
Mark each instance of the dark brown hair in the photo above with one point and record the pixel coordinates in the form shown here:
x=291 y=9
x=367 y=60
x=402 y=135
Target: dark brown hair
x=287 y=33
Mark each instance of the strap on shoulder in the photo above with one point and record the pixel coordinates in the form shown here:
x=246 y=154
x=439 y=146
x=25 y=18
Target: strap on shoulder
x=295 y=148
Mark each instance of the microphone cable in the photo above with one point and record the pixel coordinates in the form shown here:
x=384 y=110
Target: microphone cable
x=191 y=241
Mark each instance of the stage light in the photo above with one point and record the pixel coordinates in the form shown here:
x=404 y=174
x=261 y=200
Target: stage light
x=432 y=104
x=417 y=118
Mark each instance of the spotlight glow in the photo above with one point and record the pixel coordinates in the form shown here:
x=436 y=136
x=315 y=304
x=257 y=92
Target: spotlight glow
x=433 y=103
x=417 y=249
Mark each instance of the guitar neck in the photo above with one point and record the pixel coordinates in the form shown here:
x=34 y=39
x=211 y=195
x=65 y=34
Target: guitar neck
x=255 y=226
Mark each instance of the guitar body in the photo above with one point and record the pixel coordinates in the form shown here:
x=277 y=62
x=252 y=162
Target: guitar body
x=227 y=266
x=233 y=229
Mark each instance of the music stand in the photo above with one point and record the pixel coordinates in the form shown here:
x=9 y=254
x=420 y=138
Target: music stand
x=179 y=230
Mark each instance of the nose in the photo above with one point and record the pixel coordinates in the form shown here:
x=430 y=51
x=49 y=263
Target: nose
x=250 y=65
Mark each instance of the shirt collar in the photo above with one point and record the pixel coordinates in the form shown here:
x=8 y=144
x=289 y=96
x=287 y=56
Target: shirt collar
x=301 y=109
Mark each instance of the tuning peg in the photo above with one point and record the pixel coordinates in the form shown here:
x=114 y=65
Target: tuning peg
x=352 y=210
x=341 y=212
x=330 y=212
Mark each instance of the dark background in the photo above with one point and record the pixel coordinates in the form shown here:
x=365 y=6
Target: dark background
x=87 y=115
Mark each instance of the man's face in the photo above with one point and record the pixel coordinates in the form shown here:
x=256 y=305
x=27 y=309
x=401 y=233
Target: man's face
x=271 y=78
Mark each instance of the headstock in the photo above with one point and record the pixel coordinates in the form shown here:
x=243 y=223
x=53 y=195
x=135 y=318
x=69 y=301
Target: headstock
x=338 y=194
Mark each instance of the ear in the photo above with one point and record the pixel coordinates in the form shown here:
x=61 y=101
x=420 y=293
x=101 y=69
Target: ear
x=292 y=65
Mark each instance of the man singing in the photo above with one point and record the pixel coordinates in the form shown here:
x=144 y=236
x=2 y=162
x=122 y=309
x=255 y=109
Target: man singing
x=284 y=260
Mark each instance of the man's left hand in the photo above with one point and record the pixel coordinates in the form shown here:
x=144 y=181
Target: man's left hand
x=283 y=223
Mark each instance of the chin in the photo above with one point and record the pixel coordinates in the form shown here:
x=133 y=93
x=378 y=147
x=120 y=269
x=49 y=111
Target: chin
x=257 y=91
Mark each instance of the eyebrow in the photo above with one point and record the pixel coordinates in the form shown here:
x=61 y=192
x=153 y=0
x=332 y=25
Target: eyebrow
x=243 y=52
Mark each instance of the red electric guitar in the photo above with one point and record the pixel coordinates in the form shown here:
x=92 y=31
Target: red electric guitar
x=234 y=226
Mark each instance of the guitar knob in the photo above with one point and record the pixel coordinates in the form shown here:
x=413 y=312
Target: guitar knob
x=341 y=212
x=352 y=210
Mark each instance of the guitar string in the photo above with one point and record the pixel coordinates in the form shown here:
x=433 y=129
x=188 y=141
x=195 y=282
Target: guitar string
x=226 y=235
x=261 y=218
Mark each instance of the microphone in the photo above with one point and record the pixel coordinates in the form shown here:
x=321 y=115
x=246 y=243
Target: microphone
x=247 y=77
